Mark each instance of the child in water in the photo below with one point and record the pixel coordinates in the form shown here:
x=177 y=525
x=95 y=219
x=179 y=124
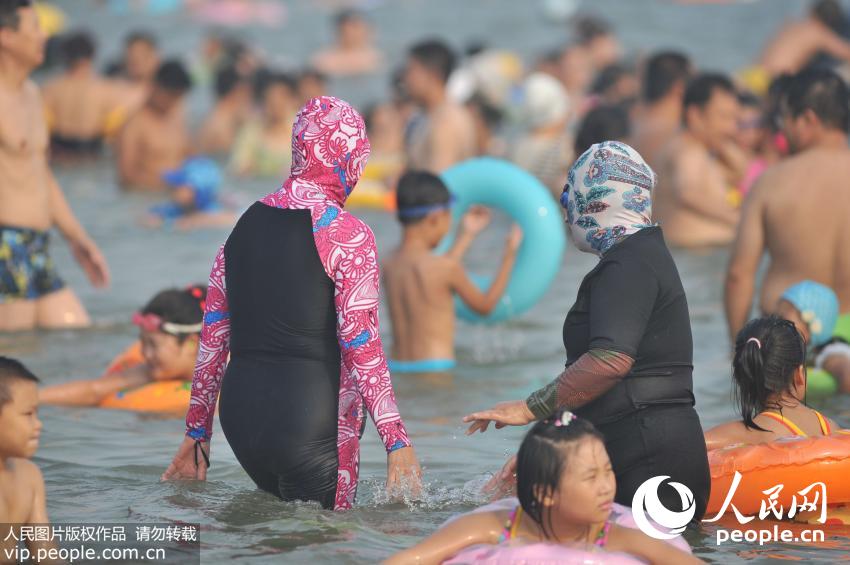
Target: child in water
x=566 y=488
x=22 y=495
x=814 y=309
x=769 y=372
x=420 y=285
x=194 y=198
x=169 y=331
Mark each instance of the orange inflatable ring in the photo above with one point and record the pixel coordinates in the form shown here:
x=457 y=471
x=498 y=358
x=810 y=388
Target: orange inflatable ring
x=794 y=462
x=162 y=396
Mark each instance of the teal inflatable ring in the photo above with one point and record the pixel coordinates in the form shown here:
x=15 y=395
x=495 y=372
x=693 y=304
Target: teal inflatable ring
x=502 y=185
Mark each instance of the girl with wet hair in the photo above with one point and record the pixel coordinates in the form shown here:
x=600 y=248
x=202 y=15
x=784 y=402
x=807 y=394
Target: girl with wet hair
x=769 y=377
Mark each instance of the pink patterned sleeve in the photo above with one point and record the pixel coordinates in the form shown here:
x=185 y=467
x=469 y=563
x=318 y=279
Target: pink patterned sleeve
x=212 y=356
x=354 y=264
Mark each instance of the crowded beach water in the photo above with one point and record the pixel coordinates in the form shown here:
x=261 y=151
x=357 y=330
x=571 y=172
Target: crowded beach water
x=105 y=466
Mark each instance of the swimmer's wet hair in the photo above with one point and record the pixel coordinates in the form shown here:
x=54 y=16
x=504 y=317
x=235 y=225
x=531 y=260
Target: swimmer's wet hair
x=702 y=88
x=663 y=71
x=173 y=76
x=436 y=56
x=419 y=190
x=767 y=353
x=604 y=123
x=78 y=46
x=821 y=91
x=831 y=14
x=12 y=370
x=9 y=16
x=226 y=80
x=184 y=306
x=542 y=458
x=140 y=36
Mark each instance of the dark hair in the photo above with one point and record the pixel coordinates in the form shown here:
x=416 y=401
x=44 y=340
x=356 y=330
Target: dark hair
x=76 y=47
x=140 y=36
x=172 y=75
x=830 y=13
x=604 y=123
x=436 y=56
x=12 y=370
x=9 y=16
x=541 y=461
x=702 y=88
x=179 y=306
x=608 y=77
x=748 y=99
x=226 y=80
x=419 y=189
x=824 y=93
x=312 y=73
x=767 y=353
x=663 y=71
x=278 y=79
x=588 y=28
x=346 y=16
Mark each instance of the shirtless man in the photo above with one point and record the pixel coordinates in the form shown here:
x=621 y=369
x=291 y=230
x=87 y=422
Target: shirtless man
x=79 y=102
x=155 y=139
x=800 y=41
x=232 y=109
x=420 y=285
x=445 y=134
x=798 y=210
x=659 y=116
x=354 y=52
x=31 y=202
x=699 y=167
x=22 y=495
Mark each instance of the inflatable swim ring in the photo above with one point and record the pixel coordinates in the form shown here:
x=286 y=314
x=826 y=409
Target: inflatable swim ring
x=50 y=18
x=371 y=195
x=233 y=13
x=161 y=396
x=499 y=184
x=794 y=462
x=547 y=552
x=821 y=384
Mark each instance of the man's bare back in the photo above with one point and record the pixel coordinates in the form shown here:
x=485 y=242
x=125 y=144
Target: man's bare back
x=446 y=138
x=150 y=145
x=80 y=105
x=691 y=200
x=804 y=210
x=419 y=291
x=24 y=176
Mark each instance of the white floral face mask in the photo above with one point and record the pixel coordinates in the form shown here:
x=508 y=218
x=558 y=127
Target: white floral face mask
x=608 y=196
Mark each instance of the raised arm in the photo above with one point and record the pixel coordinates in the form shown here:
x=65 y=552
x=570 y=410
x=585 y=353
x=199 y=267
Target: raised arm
x=212 y=355
x=483 y=302
x=744 y=262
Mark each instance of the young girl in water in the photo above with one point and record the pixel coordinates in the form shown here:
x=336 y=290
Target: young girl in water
x=566 y=487
x=769 y=373
x=169 y=329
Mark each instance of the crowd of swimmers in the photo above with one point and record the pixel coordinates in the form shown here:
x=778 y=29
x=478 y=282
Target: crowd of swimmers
x=747 y=161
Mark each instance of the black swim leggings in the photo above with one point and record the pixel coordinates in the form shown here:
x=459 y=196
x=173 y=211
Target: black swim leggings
x=280 y=419
x=660 y=441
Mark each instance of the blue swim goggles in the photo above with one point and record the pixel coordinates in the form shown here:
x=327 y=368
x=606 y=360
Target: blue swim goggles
x=422 y=211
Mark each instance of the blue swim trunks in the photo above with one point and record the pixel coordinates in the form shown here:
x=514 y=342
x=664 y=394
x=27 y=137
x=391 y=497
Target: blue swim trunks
x=26 y=269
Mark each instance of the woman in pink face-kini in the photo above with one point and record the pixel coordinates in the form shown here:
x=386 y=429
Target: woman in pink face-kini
x=293 y=298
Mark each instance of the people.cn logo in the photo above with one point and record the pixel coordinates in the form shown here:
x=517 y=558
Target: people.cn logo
x=649 y=512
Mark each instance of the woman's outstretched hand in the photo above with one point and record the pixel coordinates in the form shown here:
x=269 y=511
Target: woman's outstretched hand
x=185 y=465
x=404 y=476
x=513 y=413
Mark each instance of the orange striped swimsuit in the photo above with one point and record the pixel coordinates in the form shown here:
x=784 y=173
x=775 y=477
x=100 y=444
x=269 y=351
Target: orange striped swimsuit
x=794 y=428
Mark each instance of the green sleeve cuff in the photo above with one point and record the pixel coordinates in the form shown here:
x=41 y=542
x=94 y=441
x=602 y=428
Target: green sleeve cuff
x=544 y=401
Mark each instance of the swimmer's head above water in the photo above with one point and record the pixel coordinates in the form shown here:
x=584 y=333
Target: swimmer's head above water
x=20 y=427
x=768 y=367
x=169 y=327
x=564 y=473
x=424 y=203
